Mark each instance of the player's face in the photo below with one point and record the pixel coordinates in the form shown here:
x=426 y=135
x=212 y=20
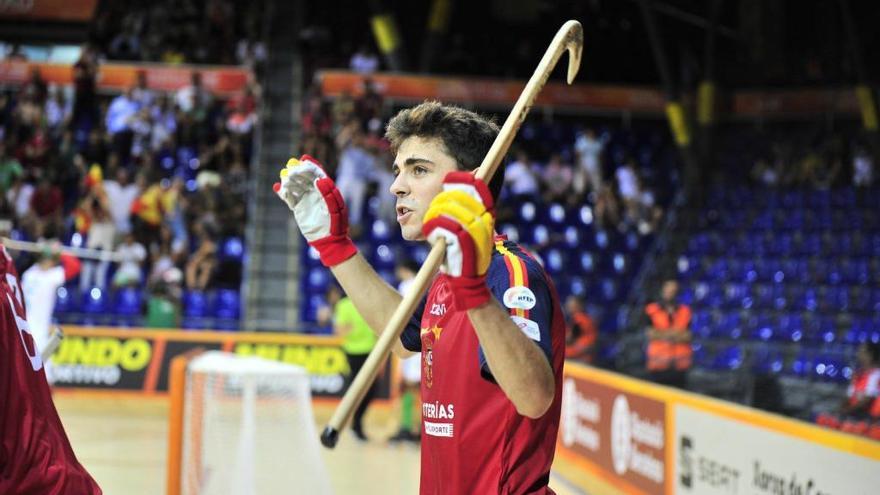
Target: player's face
x=419 y=169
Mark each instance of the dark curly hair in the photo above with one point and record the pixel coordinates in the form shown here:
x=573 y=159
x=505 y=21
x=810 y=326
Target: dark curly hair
x=466 y=135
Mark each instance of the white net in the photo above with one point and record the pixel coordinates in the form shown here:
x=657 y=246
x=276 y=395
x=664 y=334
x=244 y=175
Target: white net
x=248 y=429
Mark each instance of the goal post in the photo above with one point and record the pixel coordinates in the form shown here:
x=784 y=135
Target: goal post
x=241 y=425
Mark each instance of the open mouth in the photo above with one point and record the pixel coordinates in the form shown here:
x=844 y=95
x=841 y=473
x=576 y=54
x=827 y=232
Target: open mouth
x=403 y=213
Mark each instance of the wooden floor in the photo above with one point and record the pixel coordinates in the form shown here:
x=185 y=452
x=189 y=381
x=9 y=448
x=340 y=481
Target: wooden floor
x=123 y=443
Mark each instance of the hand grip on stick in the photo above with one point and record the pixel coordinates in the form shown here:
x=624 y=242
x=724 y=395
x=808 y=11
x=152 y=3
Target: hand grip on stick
x=570 y=37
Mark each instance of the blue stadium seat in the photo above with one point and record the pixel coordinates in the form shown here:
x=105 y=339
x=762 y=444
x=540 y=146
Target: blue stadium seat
x=228 y=304
x=802 y=365
x=728 y=358
x=730 y=326
x=528 y=213
x=196 y=304
x=767 y=361
x=383 y=256
x=66 y=300
x=318 y=280
x=95 y=301
x=554 y=261
x=380 y=231
x=701 y=324
x=128 y=302
x=232 y=249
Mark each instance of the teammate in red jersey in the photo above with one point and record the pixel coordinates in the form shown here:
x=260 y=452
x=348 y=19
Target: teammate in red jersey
x=490 y=331
x=35 y=454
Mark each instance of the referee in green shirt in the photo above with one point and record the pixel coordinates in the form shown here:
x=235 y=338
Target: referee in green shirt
x=358 y=341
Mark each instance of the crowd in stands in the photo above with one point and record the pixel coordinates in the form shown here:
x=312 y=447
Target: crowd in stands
x=158 y=178
x=189 y=31
x=798 y=155
x=572 y=167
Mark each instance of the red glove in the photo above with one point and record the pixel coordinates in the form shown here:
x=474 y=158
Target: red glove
x=318 y=208
x=462 y=215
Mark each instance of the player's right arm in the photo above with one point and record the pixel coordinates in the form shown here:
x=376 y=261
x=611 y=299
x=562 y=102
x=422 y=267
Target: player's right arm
x=322 y=217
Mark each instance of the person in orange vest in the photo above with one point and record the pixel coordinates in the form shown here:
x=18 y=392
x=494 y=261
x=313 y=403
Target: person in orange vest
x=580 y=342
x=669 y=338
x=862 y=402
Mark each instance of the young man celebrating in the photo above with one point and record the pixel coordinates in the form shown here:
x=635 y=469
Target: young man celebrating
x=490 y=331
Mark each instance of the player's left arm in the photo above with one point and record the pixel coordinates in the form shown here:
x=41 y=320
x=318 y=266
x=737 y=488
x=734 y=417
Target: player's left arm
x=462 y=215
x=519 y=366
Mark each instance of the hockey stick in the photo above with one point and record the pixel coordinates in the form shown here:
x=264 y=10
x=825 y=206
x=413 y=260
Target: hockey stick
x=37 y=247
x=569 y=38
x=52 y=345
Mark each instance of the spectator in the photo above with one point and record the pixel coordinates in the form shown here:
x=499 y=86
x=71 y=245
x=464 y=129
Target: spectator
x=358 y=341
x=556 y=178
x=863 y=168
x=131 y=255
x=121 y=116
x=369 y=105
x=865 y=385
x=142 y=130
x=410 y=368
x=364 y=61
x=147 y=213
x=324 y=316
x=85 y=101
x=39 y=283
x=57 y=112
x=10 y=168
x=164 y=126
x=607 y=208
x=101 y=235
x=669 y=338
x=588 y=174
x=121 y=194
x=581 y=339
x=201 y=264
x=46 y=204
x=19 y=195
x=628 y=186
x=519 y=178
x=141 y=93
x=194 y=97
x=862 y=402
x=355 y=168
x=163 y=305
x=35 y=88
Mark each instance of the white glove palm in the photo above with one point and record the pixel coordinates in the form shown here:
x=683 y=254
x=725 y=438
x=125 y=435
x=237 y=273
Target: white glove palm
x=318 y=208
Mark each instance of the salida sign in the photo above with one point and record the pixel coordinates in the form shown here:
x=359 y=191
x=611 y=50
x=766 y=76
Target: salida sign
x=621 y=433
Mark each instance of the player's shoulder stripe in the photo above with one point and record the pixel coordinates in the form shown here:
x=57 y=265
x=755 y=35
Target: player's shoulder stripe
x=520 y=267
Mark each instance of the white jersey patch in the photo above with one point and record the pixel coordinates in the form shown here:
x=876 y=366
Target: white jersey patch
x=519 y=297
x=528 y=327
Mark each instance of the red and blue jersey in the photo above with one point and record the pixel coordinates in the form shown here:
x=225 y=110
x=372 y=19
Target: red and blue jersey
x=473 y=439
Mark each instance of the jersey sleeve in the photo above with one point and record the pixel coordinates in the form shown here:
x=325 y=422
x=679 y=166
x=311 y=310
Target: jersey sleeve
x=411 y=338
x=520 y=285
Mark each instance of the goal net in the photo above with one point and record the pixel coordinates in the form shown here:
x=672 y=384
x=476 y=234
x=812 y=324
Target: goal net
x=246 y=428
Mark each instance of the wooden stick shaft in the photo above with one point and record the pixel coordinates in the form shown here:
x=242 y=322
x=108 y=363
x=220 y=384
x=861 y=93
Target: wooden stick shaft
x=36 y=247
x=393 y=329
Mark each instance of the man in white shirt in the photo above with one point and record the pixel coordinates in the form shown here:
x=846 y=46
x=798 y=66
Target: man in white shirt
x=39 y=284
x=188 y=98
x=132 y=254
x=589 y=150
x=519 y=177
x=120 y=195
